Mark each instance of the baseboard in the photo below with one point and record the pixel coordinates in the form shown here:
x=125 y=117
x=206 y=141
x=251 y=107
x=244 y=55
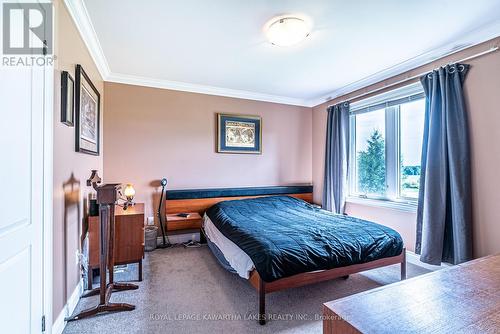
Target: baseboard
x=413 y=258
x=59 y=323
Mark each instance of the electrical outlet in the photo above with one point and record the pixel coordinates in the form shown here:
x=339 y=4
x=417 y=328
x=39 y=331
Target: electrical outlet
x=151 y=221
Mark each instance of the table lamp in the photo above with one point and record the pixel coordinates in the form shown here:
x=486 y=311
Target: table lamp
x=129 y=193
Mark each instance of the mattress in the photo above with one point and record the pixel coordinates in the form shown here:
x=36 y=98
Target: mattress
x=233 y=256
x=284 y=236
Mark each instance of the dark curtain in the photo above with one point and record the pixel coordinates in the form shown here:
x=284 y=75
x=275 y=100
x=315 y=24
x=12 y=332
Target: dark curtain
x=336 y=158
x=444 y=231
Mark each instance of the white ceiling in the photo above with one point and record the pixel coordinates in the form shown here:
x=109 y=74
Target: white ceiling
x=218 y=46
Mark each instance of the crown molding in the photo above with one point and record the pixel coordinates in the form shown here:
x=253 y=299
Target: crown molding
x=203 y=89
x=80 y=16
x=470 y=39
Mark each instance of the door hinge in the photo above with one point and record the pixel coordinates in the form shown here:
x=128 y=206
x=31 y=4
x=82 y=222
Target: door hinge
x=43 y=323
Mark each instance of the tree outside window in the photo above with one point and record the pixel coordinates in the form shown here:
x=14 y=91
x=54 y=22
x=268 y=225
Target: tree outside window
x=371 y=165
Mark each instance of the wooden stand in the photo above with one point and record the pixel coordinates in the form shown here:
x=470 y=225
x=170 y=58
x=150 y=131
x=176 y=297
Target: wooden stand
x=128 y=239
x=106 y=197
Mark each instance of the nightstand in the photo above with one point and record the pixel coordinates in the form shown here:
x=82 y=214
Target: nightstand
x=128 y=241
x=191 y=222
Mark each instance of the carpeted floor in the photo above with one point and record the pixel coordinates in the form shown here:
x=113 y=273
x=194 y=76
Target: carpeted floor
x=186 y=291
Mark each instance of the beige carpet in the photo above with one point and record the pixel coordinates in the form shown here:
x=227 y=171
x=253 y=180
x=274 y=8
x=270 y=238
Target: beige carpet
x=186 y=291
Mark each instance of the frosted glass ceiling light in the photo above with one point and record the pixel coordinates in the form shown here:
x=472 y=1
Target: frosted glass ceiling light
x=287 y=30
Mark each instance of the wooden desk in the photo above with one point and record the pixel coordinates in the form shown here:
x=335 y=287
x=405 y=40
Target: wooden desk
x=463 y=298
x=129 y=238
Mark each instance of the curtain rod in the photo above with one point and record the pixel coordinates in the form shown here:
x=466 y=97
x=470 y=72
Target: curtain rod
x=490 y=50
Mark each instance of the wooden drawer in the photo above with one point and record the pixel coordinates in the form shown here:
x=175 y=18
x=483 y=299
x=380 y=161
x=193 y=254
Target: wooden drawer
x=175 y=223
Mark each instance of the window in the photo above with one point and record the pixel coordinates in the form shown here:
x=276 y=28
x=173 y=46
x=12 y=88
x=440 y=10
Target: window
x=370 y=153
x=411 y=122
x=386 y=145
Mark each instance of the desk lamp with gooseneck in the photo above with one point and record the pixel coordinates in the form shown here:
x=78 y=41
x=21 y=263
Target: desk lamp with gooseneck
x=161 y=215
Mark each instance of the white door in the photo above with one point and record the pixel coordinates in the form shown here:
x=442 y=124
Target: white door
x=21 y=198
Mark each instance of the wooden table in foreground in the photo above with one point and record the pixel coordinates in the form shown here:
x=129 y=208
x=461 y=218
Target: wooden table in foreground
x=459 y=299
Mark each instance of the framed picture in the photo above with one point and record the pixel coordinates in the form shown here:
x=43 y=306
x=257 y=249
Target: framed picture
x=239 y=134
x=87 y=114
x=67 y=99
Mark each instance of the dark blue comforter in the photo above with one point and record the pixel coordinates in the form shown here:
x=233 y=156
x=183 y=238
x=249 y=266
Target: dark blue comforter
x=285 y=236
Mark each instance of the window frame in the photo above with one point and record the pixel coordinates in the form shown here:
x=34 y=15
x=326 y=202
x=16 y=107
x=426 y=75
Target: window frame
x=390 y=101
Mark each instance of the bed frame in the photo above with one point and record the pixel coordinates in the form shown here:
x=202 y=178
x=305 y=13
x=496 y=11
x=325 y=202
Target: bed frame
x=199 y=200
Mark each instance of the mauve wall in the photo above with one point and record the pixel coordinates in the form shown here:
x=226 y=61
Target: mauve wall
x=70 y=50
x=153 y=133
x=482 y=92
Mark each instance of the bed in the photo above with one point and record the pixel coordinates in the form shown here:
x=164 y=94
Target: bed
x=279 y=240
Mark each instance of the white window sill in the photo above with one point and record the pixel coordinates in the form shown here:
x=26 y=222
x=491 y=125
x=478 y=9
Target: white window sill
x=395 y=205
x=413 y=258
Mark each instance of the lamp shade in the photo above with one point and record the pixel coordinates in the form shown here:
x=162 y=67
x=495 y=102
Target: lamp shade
x=129 y=192
x=287 y=30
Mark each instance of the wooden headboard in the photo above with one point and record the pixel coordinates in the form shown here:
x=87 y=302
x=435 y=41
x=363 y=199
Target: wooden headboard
x=199 y=200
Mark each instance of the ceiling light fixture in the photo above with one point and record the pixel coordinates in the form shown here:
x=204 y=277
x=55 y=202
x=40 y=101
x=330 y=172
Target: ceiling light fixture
x=287 y=30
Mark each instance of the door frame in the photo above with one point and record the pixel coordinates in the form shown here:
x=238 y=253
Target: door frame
x=48 y=185
x=48 y=200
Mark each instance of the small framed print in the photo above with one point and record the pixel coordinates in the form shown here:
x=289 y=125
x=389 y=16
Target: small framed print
x=87 y=114
x=239 y=134
x=67 y=99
